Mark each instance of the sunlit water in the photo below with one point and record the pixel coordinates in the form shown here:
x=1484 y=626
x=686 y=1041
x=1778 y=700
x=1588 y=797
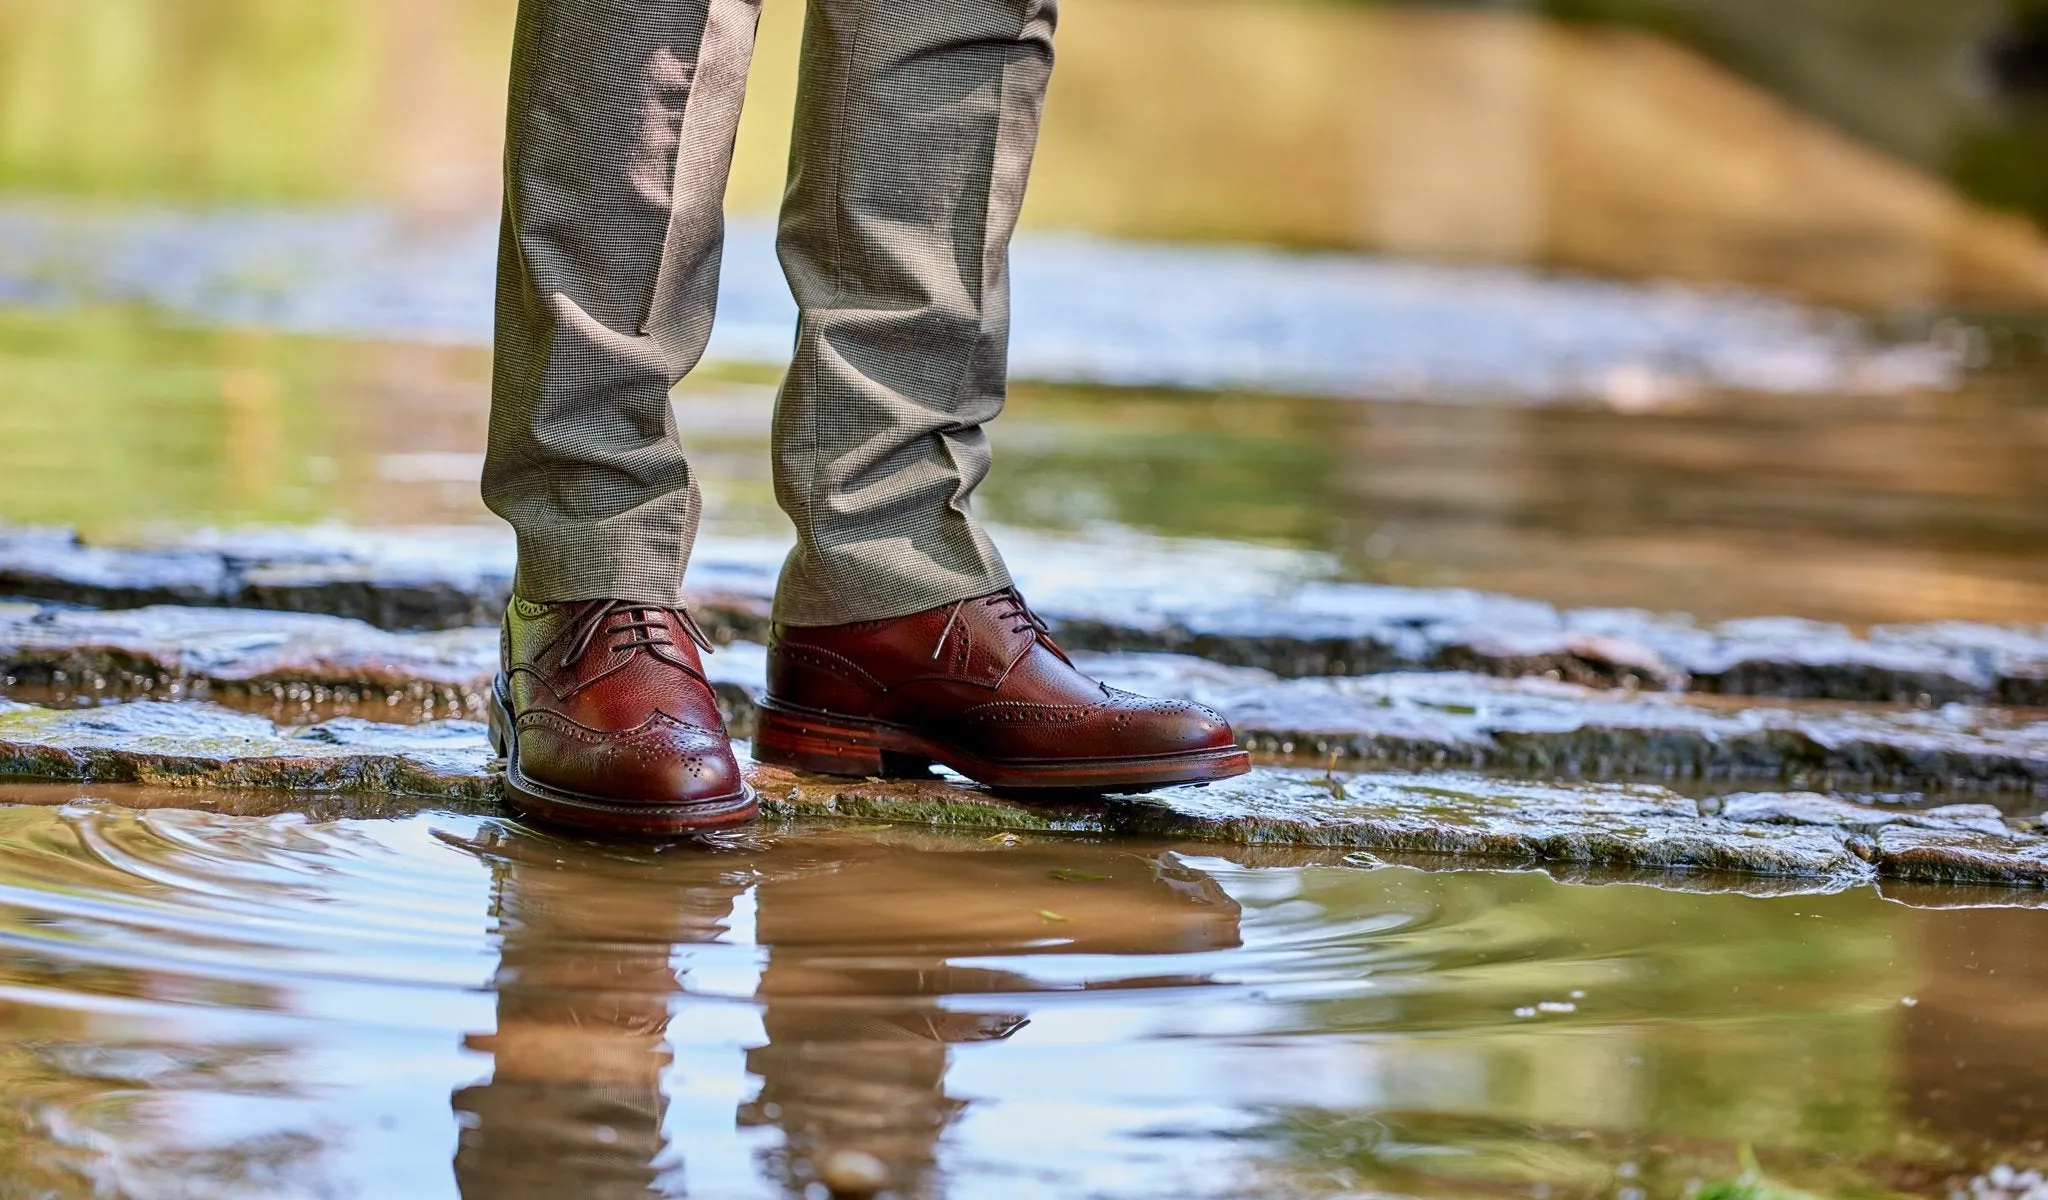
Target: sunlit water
x=1088 y=310
x=205 y=1005
x=1921 y=506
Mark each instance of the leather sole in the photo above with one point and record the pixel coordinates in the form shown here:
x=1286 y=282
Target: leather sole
x=829 y=744
x=603 y=813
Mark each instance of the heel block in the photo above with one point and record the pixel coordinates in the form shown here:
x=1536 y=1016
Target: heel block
x=822 y=745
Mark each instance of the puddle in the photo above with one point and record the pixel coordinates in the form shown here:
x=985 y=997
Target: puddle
x=445 y=1004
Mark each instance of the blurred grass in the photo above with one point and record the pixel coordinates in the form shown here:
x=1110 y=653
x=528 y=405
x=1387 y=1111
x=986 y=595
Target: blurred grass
x=1567 y=138
x=113 y=420
x=252 y=100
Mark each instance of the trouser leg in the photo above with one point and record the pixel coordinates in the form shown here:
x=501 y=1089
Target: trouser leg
x=618 y=143
x=914 y=133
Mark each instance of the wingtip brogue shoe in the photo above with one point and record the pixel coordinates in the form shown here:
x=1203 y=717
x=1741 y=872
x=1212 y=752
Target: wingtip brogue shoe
x=981 y=687
x=607 y=722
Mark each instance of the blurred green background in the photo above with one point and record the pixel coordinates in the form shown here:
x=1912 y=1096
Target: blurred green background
x=1855 y=150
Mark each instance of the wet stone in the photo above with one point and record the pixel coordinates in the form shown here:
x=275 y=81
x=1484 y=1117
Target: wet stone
x=196 y=744
x=1266 y=609
x=1478 y=817
x=1808 y=808
x=175 y=650
x=1459 y=719
x=1961 y=856
x=1594 y=826
x=1792 y=657
x=300 y=666
x=1355 y=629
x=281 y=659
x=444 y=580
x=51 y=564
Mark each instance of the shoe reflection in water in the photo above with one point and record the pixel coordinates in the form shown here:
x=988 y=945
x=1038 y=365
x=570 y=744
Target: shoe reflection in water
x=865 y=986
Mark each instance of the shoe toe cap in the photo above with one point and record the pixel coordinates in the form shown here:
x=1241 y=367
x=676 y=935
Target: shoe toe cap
x=1154 y=725
x=663 y=762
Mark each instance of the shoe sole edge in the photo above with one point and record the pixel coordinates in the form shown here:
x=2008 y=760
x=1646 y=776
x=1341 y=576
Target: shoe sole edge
x=831 y=744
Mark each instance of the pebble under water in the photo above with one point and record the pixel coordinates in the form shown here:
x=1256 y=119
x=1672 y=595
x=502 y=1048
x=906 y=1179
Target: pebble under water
x=225 y=1006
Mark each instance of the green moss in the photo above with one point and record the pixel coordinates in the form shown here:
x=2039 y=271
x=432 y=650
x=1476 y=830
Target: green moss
x=912 y=808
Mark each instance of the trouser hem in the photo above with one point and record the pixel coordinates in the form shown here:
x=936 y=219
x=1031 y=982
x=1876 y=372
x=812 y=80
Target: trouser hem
x=569 y=564
x=878 y=593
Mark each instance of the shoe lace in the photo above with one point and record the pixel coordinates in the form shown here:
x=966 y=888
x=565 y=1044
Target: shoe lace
x=645 y=627
x=1009 y=605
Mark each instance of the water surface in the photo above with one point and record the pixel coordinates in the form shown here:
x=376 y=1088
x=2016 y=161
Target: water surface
x=1918 y=506
x=197 y=1004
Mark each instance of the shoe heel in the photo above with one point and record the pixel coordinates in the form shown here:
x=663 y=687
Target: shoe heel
x=818 y=744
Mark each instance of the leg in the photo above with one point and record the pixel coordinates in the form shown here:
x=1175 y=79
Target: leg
x=618 y=141
x=898 y=640
x=914 y=133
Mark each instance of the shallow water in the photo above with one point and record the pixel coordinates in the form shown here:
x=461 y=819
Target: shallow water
x=239 y=1006
x=1917 y=507
x=1089 y=310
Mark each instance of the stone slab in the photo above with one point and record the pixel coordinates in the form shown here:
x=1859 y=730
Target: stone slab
x=178 y=651
x=199 y=745
x=281 y=662
x=298 y=666
x=1356 y=629
x=1234 y=604
x=1461 y=719
x=1808 y=808
x=1953 y=856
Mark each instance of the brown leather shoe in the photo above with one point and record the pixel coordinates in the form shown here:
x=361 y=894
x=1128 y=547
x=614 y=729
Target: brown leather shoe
x=980 y=687
x=606 y=721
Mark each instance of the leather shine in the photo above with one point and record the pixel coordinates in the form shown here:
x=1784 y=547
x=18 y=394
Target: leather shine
x=982 y=677
x=618 y=709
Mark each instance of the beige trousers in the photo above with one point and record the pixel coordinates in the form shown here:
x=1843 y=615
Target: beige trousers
x=915 y=125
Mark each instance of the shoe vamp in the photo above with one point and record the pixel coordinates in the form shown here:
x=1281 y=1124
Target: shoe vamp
x=1038 y=683
x=628 y=695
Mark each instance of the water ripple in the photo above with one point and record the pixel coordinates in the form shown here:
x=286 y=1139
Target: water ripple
x=199 y=1004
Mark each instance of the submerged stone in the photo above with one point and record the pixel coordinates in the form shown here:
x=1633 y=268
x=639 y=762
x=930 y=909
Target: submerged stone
x=1593 y=826
x=1235 y=605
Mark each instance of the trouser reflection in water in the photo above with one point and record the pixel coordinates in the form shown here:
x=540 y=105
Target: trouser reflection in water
x=899 y=640
x=859 y=999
